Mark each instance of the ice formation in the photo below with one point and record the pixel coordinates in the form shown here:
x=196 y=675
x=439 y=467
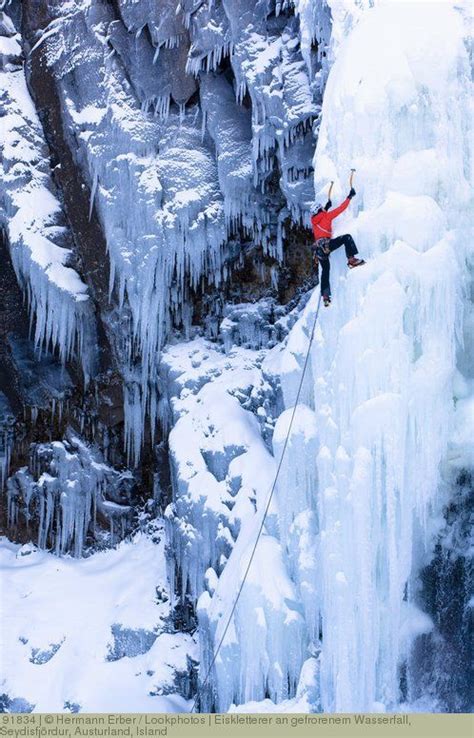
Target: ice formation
x=31 y=215
x=191 y=174
x=194 y=126
x=67 y=487
x=211 y=466
x=367 y=476
x=252 y=325
x=385 y=359
x=7 y=421
x=221 y=470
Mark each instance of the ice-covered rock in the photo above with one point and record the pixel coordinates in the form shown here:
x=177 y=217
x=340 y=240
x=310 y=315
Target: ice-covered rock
x=63 y=491
x=215 y=445
x=40 y=244
x=173 y=178
x=7 y=421
x=193 y=124
x=252 y=325
x=221 y=407
x=211 y=37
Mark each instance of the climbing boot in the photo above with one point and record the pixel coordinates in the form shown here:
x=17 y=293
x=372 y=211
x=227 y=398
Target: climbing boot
x=326 y=300
x=354 y=262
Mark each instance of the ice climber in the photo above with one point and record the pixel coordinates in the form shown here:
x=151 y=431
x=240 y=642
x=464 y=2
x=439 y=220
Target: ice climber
x=325 y=244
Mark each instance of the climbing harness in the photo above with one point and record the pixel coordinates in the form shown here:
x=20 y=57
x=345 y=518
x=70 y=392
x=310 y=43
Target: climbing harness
x=267 y=507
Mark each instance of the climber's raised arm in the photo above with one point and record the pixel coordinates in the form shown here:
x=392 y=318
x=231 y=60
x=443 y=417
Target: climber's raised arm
x=343 y=206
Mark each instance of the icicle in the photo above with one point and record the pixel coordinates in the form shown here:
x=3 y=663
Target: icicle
x=95 y=181
x=67 y=484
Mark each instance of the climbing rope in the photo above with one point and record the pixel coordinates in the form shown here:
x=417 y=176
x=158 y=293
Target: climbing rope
x=267 y=507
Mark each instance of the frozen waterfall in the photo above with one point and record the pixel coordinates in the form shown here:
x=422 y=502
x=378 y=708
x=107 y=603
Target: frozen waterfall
x=160 y=160
x=361 y=495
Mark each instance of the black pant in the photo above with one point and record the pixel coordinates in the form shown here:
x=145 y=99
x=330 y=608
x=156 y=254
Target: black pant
x=332 y=244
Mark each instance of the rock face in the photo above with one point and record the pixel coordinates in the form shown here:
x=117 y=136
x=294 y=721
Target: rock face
x=159 y=163
x=183 y=149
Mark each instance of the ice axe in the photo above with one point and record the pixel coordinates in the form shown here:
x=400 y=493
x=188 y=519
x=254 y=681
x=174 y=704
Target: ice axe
x=330 y=189
x=351 y=178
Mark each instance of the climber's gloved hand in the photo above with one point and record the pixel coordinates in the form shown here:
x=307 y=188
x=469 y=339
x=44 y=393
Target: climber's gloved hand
x=351 y=194
x=328 y=205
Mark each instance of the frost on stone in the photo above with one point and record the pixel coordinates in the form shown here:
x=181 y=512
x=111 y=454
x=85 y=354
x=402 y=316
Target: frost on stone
x=252 y=325
x=44 y=381
x=194 y=126
x=162 y=18
x=15 y=704
x=160 y=171
x=268 y=65
x=157 y=76
x=229 y=125
x=73 y=707
x=7 y=422
x=211 y=37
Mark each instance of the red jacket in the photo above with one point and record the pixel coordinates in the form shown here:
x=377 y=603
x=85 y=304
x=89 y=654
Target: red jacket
x=322 y=222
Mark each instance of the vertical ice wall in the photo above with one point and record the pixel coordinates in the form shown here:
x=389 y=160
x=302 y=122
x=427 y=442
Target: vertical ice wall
x=396 y=107
x=361 y=493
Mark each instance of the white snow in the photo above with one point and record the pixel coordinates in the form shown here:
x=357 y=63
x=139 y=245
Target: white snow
x=49 y=601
